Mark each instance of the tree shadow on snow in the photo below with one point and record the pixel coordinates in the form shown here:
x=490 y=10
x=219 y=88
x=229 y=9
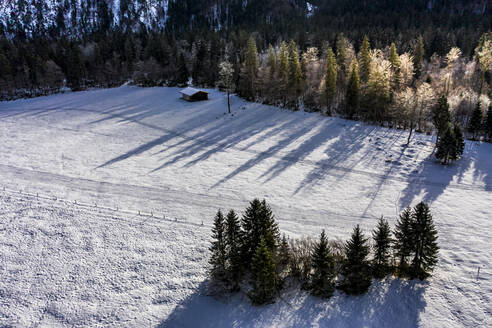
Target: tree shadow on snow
x=389 y=303
x=432 y=179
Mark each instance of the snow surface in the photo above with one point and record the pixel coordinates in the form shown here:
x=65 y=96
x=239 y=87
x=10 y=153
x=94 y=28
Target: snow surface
x=77 y=168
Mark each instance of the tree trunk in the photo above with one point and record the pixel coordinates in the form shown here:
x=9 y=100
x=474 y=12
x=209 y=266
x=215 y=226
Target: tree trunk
x=228 y=102
x=410 y=134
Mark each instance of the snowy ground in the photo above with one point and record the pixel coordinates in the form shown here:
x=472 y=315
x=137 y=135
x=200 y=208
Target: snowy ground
x=77 y=168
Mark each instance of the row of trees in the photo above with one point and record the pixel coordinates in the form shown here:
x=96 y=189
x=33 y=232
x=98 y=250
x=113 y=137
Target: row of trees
x=443 y=24
x=376 y=85
x=248 y=254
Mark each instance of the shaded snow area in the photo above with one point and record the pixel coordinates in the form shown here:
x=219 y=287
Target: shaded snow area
x=77 y=168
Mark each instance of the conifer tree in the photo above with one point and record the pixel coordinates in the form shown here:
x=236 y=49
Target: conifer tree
x=475 y=124
x=341 y=45
x=283 y=61
x=352 y=97
x=382 y=246
x=441 y=116
x=263 y=275
x=460 y=141
x=447 y=147
x=199 y=65
x=182 y=74
x=330 y=80
x=295 y=72
x=284 y=253
x=403 y=240
x=488 y=122
x=394 y=59
x=233 y=239
x=249 y=70
x=323 y=275
x=424 y=242
x=365 y=60
x=418 y=56
x=271 y=62
x=283 y=71
x=356 y=268
x=258 y=223
x=218 y=258
x=377 y=95
x=74 y=67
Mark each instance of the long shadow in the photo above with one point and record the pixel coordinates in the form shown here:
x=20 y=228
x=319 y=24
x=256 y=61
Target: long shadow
x=482 y=158
x=349 y=141
x=266 y=154
x=321 y=137
x=224 y=135
x=388 y=303
x=431 y=178
x=181 y=131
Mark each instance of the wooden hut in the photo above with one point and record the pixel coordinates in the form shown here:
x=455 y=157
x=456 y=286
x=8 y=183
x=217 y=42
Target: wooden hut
x=192 y=94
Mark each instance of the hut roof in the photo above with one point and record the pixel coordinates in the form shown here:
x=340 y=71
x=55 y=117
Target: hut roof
x=191 y=91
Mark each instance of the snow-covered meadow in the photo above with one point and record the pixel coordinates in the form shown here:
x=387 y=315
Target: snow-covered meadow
x=79 y=167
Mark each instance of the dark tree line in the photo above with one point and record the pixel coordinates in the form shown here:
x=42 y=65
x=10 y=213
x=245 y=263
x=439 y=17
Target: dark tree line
x=250 y=255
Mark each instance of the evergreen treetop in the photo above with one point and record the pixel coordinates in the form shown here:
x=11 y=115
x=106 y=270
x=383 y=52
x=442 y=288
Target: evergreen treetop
x=323 y=275
x=382 y=246
x=330 y=79
x=263 y=275
x=475 y=124
x=403 y=240
x=218 y=249
x=424 y=240
x=365 y=60
x=447 y=147
x=356 y=269
x=352 y=97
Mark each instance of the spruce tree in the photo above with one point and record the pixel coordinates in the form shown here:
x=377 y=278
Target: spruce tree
x=424 y=242
x=75 y=67
x=323 y=275
x=488 y=122
x=460 y=140
x=365 y=60
x=356 y=269
x=263 y=275
x=199 y=66
x=283 y=62
x=447 y=147
x=233 y=238
x=441 y=116
x=352 y=97
x=258 y=223
x=341 y=45
x=330 y=80
x=218 y=272
x=283 y=253
x=382 y=246
x=475 y=124
x=403 y=240
x=418 y=56
x=394 y=59
x=249 y=70
x=182 y=74
x=295 y=72
x=271 y=62
x=269 y=228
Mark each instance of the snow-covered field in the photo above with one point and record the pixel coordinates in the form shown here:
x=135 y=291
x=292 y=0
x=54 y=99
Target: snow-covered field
x=77 y=169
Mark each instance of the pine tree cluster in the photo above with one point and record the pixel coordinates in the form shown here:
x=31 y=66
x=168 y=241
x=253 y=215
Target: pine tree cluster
x=249 y=255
